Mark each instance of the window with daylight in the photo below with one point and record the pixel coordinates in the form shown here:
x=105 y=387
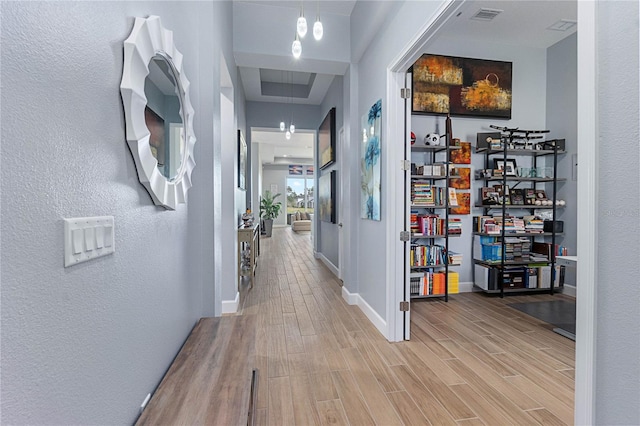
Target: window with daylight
x=300 y=197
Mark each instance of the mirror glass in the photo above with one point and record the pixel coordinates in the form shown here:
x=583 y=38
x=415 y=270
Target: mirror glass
x=163 y=116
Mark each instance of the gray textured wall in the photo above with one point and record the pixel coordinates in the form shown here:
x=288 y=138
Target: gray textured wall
x=617 y=374
x=327 y=233
x=84 y=345
x=397 y=31
x=562 y=120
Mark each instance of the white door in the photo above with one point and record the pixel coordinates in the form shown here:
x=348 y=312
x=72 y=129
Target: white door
x=407 y=208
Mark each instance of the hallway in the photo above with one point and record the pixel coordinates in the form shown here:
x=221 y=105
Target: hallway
x=471 y=361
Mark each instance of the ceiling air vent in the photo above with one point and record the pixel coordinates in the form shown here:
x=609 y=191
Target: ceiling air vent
x=486 y=14
x=563 y=25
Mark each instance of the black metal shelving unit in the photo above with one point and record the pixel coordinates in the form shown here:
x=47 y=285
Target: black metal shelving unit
x=430 y=158
x=504 y=180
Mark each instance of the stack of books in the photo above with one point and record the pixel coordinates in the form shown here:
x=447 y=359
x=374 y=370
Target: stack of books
x=455 y=258
x=534 y=224
x=422 y=193
x=455 y=226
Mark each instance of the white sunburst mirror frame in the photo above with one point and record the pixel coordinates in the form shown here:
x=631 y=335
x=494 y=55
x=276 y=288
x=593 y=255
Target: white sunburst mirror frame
x=149 y=39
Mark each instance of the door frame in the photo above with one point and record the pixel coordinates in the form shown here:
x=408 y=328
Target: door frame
x=343 y=188
x=586 y=202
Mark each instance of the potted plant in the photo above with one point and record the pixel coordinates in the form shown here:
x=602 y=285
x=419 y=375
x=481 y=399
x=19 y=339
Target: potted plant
x=269 y=210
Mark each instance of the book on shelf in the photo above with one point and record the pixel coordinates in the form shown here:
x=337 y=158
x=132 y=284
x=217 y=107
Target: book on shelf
x=453 y=198
x=423 y=193
x=427 y=283
x=426 y=255
x=455 y=226
x=455 y=258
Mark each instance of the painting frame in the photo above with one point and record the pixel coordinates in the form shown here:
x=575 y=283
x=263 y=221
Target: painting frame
x=371 y=163
x=327 y=140
x=442 y=85
x=509 y=167
x=242 y=161
x=327 y=197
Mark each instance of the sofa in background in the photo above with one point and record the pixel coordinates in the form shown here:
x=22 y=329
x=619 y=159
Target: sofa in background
x=301 y=221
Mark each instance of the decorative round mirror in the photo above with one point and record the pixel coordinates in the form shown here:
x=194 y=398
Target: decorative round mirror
x=158 y=112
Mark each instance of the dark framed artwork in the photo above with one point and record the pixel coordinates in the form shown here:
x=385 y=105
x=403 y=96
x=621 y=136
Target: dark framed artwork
x=327 y=197
x=242 y=161
x=327 y=140
x=461 y=86
x=508 y=168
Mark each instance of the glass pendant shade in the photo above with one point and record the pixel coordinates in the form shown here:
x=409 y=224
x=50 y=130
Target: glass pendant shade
x=292 y=128
x=318 y=31
x=282 y=126
x=296 y=48
x=287 y=135
x=301 y=26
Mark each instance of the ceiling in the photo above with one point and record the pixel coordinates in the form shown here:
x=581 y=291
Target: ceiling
x=277 y=77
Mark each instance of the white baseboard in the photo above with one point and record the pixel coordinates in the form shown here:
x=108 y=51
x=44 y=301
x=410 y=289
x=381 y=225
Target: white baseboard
x=569 y=290
x=376 y=320
x=350 y=298
x=327 y=263
x=231 y=306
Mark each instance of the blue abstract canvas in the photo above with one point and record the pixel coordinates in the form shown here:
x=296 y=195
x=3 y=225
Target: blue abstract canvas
x=370 y=163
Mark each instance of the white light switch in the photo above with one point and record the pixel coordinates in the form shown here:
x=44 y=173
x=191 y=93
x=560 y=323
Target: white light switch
x=108 y=236
x=99 y=237
x=89 y=238
x=86 y=238
x=77 y=241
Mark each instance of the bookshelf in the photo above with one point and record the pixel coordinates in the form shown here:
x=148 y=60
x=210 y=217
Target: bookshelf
x=429 y=260
x=514 y=248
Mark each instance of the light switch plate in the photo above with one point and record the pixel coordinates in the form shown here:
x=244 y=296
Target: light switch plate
x=86 y=238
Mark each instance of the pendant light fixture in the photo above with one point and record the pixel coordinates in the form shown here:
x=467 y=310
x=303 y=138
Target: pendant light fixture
x=282 y=126
x=301 y=25
x=318 y=31
x=296 y=47
x=287 y=135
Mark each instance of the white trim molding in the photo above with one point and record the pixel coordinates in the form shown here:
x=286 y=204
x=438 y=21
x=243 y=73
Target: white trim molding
x=377 y=321
x=231 y=306
x=587 y=243
x=333 y=268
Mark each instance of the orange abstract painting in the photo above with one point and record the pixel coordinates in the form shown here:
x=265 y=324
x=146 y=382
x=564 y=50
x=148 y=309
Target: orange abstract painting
x=464 y=204
x=462 y=155
x=460 y=178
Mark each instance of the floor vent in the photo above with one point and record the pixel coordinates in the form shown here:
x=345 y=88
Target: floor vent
x=486 y=14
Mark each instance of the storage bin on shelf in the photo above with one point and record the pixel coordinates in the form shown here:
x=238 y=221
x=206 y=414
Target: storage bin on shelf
x=492 y=252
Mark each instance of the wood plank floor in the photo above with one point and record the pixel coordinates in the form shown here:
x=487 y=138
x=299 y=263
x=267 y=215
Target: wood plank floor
x=471 y=361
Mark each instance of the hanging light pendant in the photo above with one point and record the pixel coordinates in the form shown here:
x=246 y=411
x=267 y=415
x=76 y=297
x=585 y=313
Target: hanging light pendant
x=296 y=47
x=301 y=25
x=282 y=126
x=287 y=135
x=318 y=31
x=292 y=128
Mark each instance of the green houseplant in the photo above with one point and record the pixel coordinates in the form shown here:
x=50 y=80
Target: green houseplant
x=269 y=210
